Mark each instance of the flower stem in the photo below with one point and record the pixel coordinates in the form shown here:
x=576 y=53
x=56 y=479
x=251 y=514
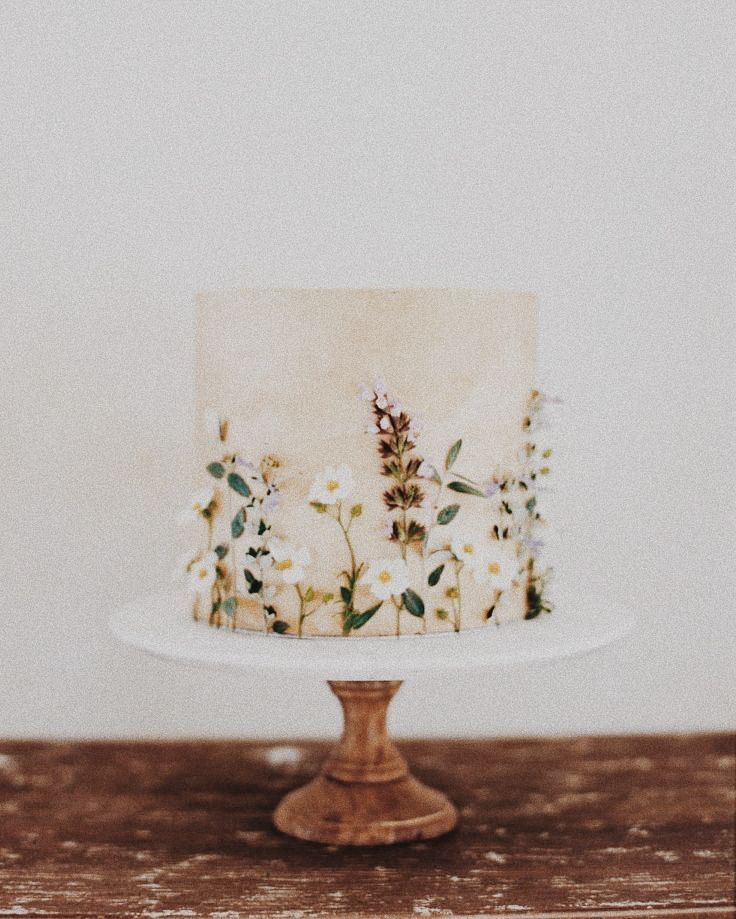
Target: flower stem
x=398 y=615
x=457 y=602
x=302 y=615
x=430 y=527
x=353 y=562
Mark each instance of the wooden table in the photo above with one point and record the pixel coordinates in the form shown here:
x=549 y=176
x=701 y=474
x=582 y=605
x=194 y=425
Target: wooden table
x=586 y=827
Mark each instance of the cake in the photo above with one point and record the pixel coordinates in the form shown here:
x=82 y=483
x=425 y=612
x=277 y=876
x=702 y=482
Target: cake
x=367 y=462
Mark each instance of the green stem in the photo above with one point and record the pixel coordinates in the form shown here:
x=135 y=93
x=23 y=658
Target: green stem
x=428 y=534
x=302 y=615
x=402 y=542
x=353 y=562
x=399 y=607
x=457 y=602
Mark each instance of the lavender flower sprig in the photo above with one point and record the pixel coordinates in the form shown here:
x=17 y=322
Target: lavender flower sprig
x=397 y=440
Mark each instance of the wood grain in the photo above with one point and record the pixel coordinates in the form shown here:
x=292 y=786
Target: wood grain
x=602 y=827
x=364 y=794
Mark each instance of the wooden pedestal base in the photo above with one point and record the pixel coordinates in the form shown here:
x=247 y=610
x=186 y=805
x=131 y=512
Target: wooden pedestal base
x=365 y=795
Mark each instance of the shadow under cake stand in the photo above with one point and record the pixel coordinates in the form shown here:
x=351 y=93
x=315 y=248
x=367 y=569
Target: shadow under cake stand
x=365 y=794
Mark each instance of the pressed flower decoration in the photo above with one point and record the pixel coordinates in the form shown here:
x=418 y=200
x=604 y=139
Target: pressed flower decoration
x=424 y=503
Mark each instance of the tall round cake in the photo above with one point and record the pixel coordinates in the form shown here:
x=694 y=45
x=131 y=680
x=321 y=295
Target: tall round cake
x=367 y=461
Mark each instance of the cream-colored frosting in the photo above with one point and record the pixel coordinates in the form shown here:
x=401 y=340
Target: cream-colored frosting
x=285 y=367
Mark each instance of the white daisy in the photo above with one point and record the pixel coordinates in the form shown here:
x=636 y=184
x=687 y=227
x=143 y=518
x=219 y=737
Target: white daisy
x=386 y=578
x=332 y=485
x=289 y=560
x=466 y=548
x=203 y=573
x=495 y=564
x=198 y=504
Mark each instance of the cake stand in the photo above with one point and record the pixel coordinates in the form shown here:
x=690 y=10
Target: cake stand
x=365 y=794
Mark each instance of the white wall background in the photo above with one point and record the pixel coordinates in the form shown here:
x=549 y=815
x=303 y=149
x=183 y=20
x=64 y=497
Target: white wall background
x=582 y=150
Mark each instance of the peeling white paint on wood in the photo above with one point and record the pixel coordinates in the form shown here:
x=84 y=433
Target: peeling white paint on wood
x=183 y=829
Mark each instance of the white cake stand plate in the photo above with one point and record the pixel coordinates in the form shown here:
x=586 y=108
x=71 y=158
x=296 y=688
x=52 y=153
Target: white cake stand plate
x=365 y=794
x=162 y=626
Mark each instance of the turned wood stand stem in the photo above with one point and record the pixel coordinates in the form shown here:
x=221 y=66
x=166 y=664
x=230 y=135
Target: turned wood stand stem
x=365 y=794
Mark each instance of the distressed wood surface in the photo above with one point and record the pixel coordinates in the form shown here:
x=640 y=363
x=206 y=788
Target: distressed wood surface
x=584 y=827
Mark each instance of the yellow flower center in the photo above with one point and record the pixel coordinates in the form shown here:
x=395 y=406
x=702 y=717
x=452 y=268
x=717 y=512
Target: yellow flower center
x=384 y=577
x=284 y=565
x=202 y=573
x=494 y=568
x=468 y=549
x=332 y=485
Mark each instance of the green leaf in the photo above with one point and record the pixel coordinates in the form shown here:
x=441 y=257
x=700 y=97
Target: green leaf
x=220 y=551
x=435 y=576
x=356 y=510
x=318 y=506
x=309 y=594
x=216 y=469
x=279 y=626
x=229 y=606
x=237 y=525
x=441 y=613
x=466 y=489
x=413 y=603
x=254 y=585
x=447 y=514
x=237 y=483
x=346 y=594
x=357 y=620
x=453 y=453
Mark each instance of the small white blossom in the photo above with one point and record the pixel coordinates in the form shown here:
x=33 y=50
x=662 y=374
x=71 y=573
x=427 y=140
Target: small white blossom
x=466 y=548
x=198 y=504
x=289 y=560
x=366 y=392
x=334 y=484
x=496 y=565
x=203 y=573
x=426 y=470
x=251 y=538
x=386 y=578
x=271 y=502
x=384 y=423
